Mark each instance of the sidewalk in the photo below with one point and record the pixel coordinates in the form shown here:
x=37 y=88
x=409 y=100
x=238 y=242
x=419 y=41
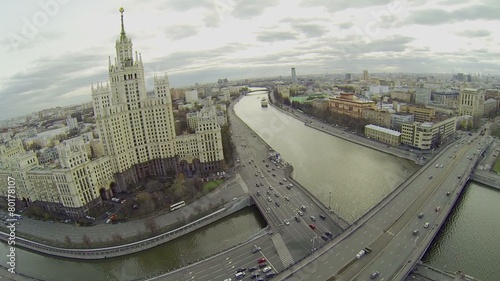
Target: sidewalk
x=102 y=232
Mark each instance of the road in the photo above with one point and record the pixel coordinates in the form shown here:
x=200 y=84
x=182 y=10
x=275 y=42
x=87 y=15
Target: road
x=286 y=243
x=388 y=232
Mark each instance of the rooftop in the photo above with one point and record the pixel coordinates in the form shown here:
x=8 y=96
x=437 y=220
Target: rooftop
x=384 y=130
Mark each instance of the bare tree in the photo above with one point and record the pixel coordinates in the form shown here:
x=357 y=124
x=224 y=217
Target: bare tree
x=151 y=225
x=116 y=237
x=86 y=240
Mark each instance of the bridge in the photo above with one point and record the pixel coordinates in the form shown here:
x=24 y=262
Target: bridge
x=393 y=230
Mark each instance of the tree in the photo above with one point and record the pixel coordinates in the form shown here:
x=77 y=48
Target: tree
x=147 y=204
x=116 y=238
x=86 y=240
x=151 y=225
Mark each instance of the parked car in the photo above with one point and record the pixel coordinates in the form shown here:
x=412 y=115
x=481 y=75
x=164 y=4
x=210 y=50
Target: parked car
x=313 y=218
x=374 y=275
x=322 y=216
x=312 y=226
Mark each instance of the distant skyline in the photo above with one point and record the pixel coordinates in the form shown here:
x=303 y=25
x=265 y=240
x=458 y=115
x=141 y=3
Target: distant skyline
x=52 y=50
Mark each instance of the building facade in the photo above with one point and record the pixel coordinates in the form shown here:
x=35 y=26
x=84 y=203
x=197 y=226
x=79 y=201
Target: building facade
x=427 y=135
x=384 y=135
x=349 y=104
x=380 y=118
x=471 y=102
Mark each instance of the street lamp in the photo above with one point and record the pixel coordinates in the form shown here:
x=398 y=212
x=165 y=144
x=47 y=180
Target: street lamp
x=330 y=201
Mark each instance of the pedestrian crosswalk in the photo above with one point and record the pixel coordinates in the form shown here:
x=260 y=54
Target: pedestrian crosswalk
x=283 y=253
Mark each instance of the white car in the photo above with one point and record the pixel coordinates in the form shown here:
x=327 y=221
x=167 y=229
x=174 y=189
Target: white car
x=426 y=225
x=286 y=222
x=267 y=269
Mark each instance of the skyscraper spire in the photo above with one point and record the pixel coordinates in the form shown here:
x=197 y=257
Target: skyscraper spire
x=122 y=34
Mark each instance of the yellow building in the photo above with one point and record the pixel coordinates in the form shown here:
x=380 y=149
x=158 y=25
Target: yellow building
x=427 y=135
x=381 y=134
x=421 y=114
x=349 y=104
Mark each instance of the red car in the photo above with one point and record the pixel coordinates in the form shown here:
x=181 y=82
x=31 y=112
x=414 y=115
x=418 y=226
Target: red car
x=312 y=226
x=262 y=260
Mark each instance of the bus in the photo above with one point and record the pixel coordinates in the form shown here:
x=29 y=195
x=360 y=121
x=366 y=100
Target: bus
x=176 y=206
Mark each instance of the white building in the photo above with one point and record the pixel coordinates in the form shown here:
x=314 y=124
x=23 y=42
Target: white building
x=471 y=102
x=72 y=123
x=191 y=96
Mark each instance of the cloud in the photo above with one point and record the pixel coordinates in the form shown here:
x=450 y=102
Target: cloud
x=473 y=33
x=345 y=25
x=178 y=32
x=439 y=16
x=339 y=5
x=244 y=9
x=273 y=36
x=186 y=5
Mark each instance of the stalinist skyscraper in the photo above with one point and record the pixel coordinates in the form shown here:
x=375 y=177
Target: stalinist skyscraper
x=137 y=130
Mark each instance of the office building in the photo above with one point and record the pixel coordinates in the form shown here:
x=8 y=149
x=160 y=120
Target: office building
x=427 y=135
x=294 y=77
x=349 y=104
x=384 y=135
x=422 y=94
x=366 y=76
x=471 y=102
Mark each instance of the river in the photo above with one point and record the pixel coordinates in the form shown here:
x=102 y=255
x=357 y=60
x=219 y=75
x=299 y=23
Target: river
x=357 y=177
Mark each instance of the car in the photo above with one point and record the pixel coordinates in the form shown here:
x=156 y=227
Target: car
x=303 y=208
x=228 y=279
x=258 y=193
x=324 y=237
x=300 y=213
x=261 y=265
x=448 y=193
x=274 y=175
x=286 y=222
x=270 y=188
x=261 y=175
x=312 y=226
x=430 y=177
x=252 y=269
x=256 y=174
x=266 y=269
x=256 y=250
x=268 y=210
x=239 y=275
x=268 y=192
x=284 y=179
x=261 y=260
x=281 y=183
x=421 y=215
x=256 y=185
x=415 y=232
x=441 y=166
x=313 y=218
x=270 y=275
x=322 y=216
x=277 y=203
x=260 y=279
x=108 y=220
x=276 y=194
x=287 y=199
x=459 y=176
x=328 y=233
x=242 y=269
x=374 y=275
x=261 y=184
x=426 y=225
x=254 y=274
x=269 y=199
x=296 y=219
x=438 y=208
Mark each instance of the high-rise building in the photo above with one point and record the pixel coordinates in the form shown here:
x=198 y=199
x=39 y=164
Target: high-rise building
x=366 y=76
x=460 y=76
x=422 y=94
x=348 y=76
x=137 y=129
x=471 y=102
x=294 y=77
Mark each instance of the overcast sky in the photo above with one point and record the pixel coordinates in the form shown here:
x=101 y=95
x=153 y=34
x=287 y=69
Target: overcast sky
x=52 y=50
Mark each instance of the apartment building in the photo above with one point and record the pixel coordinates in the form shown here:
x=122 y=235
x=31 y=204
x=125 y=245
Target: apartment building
x=420 y=113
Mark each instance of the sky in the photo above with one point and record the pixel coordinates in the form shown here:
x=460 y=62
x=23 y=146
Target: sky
x=53 y=50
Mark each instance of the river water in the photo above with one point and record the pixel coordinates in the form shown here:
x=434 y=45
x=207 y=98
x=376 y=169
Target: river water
x=357 y=177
